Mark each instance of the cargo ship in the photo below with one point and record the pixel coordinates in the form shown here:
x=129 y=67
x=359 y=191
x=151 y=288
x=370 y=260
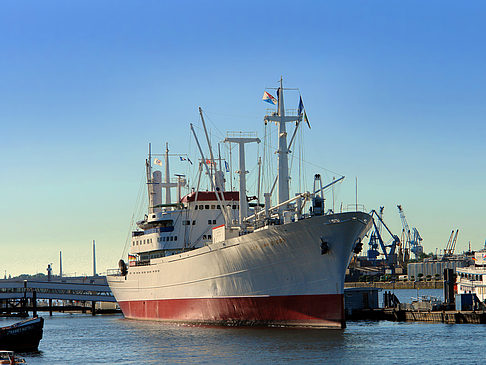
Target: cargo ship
x=209 y=257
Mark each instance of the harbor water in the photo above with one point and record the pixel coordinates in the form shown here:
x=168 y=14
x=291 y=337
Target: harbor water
x=111 y=339
x=406 y=295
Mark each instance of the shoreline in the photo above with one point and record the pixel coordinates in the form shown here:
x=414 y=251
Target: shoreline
x=397 y=285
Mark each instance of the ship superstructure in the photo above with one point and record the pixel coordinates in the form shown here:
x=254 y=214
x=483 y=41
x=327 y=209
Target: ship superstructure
x=210 y=258
x=472 y=279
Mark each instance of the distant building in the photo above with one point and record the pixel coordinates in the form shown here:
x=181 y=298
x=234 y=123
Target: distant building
x=434 y=267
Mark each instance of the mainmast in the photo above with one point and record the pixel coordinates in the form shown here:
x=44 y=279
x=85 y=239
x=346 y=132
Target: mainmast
x=283 y=162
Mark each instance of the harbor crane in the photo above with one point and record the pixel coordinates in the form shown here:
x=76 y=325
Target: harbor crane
x=451 y=244
x=411 y=239
x=374 y=243
x=376 y=239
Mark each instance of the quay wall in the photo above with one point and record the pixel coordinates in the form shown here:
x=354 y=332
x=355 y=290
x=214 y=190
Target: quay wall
x=398 y=285
x=394 y=315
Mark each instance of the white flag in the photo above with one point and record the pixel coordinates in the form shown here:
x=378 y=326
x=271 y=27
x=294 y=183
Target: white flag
x=157 y=162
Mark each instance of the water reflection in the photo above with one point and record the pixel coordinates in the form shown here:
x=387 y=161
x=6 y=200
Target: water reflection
x=234 y=344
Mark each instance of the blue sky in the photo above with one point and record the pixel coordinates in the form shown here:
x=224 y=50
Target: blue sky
x=394 y=92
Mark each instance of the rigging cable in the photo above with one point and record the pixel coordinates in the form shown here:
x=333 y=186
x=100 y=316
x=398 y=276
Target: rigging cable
x=138 y=204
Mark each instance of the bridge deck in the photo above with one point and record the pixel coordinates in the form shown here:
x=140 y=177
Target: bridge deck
x=18 y=289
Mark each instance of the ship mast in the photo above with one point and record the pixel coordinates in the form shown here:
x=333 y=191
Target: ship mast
x=148 y=169
x=167 y=184
x=220 y=200
x=283 y=162
x=242 y=193
x=167 y=175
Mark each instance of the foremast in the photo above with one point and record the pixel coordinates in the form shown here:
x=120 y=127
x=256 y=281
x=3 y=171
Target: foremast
x=283 y=163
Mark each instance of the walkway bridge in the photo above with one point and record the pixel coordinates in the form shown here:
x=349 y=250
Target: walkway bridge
x=55 y=290
x=75 y=292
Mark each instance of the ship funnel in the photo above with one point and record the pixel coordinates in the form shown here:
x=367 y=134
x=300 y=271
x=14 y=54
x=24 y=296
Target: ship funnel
x=219 y=180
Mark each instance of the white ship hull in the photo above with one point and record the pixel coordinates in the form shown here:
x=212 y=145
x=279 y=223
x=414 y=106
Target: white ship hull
x=274 y=276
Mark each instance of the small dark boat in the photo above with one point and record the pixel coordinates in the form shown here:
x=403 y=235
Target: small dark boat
x=22 y=336
x=9 y=358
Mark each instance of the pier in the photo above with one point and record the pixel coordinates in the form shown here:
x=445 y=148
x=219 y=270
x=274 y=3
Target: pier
x=396 y=315
x=18 y=297
x=390 y=285
x=361 y=303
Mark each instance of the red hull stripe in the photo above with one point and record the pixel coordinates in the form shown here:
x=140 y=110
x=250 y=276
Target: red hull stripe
x=297 y=310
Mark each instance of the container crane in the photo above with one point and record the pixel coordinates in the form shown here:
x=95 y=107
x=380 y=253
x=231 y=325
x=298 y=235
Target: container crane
x=411 y=239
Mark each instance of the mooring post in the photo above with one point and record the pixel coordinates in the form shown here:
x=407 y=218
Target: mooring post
x=50 y=307
x=34 y=304
x=93 y=308
x=24 y=300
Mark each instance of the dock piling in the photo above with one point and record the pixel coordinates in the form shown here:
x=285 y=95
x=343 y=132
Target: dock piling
x=34 y=304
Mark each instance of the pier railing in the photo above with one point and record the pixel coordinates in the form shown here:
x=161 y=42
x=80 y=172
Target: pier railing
x=353 y=208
